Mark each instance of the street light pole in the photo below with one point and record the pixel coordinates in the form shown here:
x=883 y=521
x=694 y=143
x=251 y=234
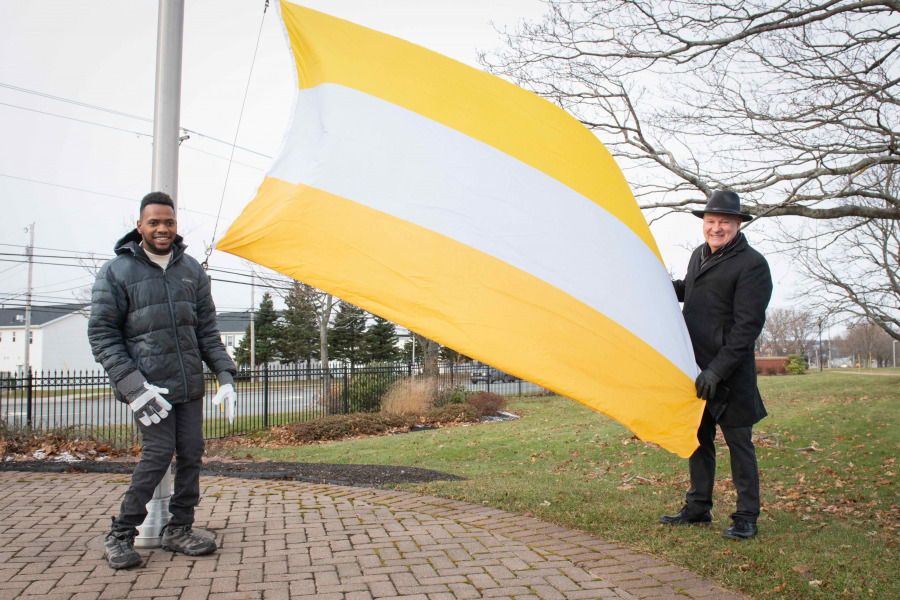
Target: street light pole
x=820 y=346
x=894 y=350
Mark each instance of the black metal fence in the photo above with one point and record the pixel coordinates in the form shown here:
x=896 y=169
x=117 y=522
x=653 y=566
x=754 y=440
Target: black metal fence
x=83 y=402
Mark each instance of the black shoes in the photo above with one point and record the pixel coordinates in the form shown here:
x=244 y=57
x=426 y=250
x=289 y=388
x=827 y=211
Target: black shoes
x=741 y=530
x=119 y=550
x=182 y=539
x=684 y=517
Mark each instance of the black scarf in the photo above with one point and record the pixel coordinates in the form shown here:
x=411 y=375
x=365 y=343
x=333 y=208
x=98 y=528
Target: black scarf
x=709 y=257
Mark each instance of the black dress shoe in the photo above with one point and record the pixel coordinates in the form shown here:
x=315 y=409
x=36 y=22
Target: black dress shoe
x=741 y=530
x=684 y=517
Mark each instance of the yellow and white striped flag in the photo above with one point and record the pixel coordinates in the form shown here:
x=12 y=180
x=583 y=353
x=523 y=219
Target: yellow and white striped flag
x=477 y=214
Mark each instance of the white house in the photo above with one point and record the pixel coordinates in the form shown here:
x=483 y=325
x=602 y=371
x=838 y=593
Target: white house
x=232 y=328
x=59 y=339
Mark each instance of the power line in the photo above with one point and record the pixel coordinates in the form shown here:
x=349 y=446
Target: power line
x=121 y=114
x=139 y=133
x=65 y=256
x=107 y=257
x=52 y=308
x=273 y=287
x=236 y=272
x=91 y=256
x=25 y=262
x=75 y=102
x=68 y=187
x=9 y=269
x=42 y=112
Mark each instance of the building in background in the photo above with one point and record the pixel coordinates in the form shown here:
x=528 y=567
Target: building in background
x=59 y=339
x=232 y=328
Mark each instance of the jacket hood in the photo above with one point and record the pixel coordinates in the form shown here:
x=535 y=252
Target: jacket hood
x=131 y=241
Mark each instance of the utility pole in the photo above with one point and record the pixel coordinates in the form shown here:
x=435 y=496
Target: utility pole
x=30 y=253
x=166 y=117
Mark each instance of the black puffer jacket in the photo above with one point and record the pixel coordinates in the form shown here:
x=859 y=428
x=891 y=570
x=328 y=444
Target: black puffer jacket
x=150 y=324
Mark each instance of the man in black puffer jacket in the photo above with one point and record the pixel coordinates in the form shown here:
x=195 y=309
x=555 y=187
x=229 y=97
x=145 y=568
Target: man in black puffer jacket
x=725 y=293
x=152 y=326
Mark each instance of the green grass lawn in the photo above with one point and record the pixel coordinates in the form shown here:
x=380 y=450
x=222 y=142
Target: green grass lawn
x=828 y=461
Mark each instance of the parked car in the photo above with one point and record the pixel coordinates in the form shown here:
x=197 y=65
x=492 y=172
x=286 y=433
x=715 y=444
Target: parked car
x=490 y=375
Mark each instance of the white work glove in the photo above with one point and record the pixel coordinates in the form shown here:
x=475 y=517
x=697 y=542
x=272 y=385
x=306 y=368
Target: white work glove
x=150 y=407
x=228 y=396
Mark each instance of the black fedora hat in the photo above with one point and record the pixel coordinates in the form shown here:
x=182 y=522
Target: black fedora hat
x=723 y=203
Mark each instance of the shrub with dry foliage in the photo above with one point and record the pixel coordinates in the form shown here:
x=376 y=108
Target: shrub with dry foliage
x=452 y=413
x=336 y=427
x=18 y=446
x=410 y=396
x=488 y=403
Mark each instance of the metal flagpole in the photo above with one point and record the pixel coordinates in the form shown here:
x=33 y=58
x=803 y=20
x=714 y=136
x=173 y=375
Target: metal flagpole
x=166 y=116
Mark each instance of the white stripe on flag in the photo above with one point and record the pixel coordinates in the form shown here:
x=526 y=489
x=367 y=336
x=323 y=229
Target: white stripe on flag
x=398 y=162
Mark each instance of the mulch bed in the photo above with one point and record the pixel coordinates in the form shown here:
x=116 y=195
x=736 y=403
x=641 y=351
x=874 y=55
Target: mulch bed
x=51 y=453
x=336 y=474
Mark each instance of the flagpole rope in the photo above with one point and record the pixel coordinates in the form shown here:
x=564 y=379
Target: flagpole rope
x=212 y=243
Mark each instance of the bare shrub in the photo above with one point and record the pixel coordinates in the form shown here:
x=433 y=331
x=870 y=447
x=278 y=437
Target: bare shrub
x=336 y=427
x=488 y=403
x=452 y=413
x=410 y=396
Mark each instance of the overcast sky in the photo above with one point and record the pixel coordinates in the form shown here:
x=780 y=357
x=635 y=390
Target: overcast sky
x=76 y=108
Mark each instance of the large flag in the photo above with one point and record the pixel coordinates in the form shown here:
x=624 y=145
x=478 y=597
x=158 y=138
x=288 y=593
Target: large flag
x=477 y=214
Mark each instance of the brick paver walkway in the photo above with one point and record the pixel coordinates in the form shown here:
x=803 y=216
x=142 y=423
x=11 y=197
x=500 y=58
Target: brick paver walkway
x=283 y=540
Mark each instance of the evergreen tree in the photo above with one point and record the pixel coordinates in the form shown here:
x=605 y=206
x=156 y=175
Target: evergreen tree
x=298 y=334
x=406 y=353
x=348 y=333
x=266 y=334
x=381 y=341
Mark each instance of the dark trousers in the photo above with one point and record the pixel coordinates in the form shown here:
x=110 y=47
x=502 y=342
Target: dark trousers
x=744 y=472
x=181 y=434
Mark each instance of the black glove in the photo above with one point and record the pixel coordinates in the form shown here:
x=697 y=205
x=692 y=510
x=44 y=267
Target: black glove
x=706 y=384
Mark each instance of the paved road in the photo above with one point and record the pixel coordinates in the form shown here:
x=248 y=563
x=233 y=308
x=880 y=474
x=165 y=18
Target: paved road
x=105 y=410
x=281 y=540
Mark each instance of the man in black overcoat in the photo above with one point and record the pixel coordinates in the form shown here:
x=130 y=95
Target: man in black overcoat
x=725 y=293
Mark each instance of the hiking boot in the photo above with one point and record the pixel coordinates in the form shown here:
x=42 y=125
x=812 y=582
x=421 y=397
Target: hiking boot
x=685 y=517
x=181 y=539
x=741 y=530
x=119 y=549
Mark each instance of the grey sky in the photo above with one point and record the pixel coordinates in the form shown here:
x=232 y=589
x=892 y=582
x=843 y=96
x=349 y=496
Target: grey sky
x=78 y=172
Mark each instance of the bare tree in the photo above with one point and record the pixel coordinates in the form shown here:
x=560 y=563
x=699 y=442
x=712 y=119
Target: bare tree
x=788 y=331
x=430 y=354
x=792 y=104
x=92 y=265
x=803 y=327
x=852 y=265
x=774 y=337
x=867 y=344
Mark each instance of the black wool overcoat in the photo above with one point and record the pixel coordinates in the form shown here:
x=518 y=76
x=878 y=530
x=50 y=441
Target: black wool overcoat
x=725 y=304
